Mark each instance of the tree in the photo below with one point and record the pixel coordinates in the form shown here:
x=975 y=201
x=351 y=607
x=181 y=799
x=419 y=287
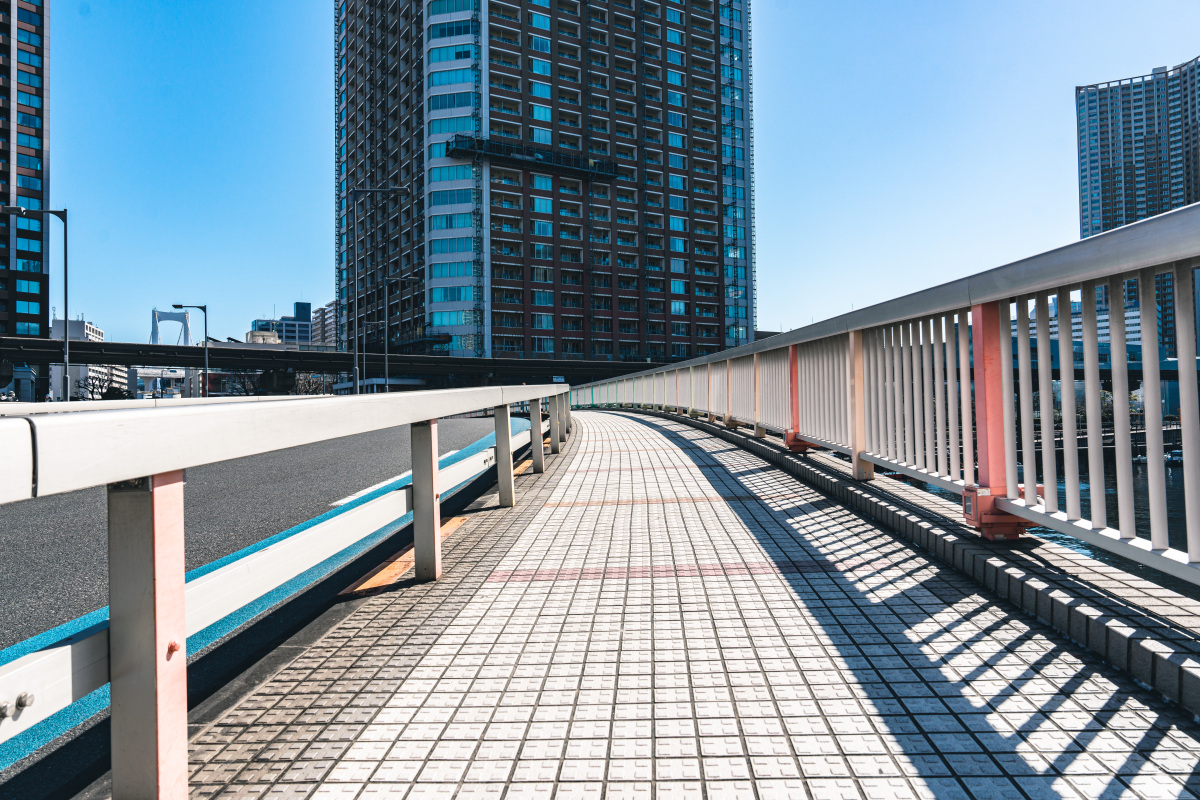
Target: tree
x=311 y=383
x=243 y=383
x=92 y=387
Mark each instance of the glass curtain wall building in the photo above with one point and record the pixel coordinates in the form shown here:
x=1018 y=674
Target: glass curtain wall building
x=24 y=242
x=1139 y=155
x=567 y=178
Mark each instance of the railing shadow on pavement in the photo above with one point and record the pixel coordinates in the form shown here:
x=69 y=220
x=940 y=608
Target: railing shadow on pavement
x=858 y=647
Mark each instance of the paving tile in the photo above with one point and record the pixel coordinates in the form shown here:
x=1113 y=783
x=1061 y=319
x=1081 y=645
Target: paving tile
x=723 y=631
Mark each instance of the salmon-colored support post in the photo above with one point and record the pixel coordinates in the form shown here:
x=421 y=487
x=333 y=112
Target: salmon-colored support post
x=791 y=438
x=992 y=354
x=863 y=470
x=147 y=637
x=759 y=431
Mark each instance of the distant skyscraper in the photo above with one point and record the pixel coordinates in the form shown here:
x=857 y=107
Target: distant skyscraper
x=577 y=177
x=324 y=327
x=1139 y=155
x=296 y=329
x=24 y=307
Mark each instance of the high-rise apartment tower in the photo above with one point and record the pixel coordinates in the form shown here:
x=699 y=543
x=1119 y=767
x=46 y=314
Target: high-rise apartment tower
x=24 y=241
x=566 y=178
x=1139 y=155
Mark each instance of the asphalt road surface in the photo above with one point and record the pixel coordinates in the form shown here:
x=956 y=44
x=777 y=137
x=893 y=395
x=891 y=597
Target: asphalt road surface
x=54 y=550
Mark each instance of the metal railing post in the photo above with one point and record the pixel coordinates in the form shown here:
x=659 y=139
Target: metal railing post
x=147 y=637
x=993 y=356
x=426 y=502
x=537 y=446
x=555 y=426
x=564 y=418
x=504 y=457
x=863 y=470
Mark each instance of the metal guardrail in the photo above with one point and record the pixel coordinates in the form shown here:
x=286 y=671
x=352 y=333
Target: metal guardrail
x=924 y=385
x=156 y=615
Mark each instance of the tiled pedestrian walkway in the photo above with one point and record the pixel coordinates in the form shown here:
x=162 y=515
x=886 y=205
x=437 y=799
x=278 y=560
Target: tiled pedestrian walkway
x=666 y=616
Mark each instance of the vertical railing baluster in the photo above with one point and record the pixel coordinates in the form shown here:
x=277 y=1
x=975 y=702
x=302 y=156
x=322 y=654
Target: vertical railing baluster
x=927 y=394
x=939 y=400
x=952 y=395
x=880 y=395
x=1046 y=401
x=964 y=369
x=1189 y=404
x=1006 y=391
x=1066 y=389
x=1025 y=387
x=877 y=429
x=892 y=418
x=918 y=378
x=1152 y=409
x=910 y=450
x=1097 y=511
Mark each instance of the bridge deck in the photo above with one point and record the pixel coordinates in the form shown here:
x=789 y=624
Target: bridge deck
x=666 y=616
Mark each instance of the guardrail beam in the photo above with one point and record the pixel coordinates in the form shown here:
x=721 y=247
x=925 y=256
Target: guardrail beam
x=148 y=637
x=427 y=512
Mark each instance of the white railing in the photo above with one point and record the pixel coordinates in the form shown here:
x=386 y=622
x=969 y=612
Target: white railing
x=944 y=386
x=154 y=615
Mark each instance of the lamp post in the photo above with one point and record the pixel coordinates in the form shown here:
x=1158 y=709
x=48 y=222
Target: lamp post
x=203 y=310
x=22 y=211
x=354 y=196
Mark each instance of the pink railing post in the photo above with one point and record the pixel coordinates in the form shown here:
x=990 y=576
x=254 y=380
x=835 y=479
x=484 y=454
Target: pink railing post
x=147 y=637
x=791 y=437
x=991 y=356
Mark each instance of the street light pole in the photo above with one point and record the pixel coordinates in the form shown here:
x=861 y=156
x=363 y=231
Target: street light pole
x=204 y=311
x=22 y=211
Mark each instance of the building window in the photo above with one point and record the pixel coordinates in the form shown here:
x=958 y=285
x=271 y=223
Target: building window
x=542 y=298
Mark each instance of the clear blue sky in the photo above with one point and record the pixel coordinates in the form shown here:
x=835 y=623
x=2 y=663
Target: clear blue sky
x=899 y=145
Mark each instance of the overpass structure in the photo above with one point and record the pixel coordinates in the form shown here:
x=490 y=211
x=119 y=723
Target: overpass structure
x=49 y=351
x=786 y=571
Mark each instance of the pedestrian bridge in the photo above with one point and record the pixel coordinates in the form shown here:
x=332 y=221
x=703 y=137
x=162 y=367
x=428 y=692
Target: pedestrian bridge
x=803 y=568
